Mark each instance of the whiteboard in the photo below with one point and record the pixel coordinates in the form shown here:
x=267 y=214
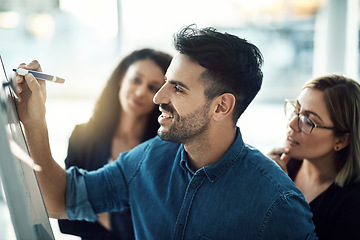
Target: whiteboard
x=23 y=197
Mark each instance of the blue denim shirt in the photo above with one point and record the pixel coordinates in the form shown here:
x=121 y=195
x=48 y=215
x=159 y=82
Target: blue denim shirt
x=243 y=196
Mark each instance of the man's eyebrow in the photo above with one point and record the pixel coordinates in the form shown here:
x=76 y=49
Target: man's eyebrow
x=174 y=82
x=309 y=112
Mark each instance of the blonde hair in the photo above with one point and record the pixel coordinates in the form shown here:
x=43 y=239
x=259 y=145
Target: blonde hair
x=342 y=97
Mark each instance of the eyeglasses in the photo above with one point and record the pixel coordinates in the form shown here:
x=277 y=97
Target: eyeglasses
x=305 y=124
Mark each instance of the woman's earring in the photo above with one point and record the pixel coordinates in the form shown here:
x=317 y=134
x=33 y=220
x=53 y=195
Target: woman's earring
x=337 y=148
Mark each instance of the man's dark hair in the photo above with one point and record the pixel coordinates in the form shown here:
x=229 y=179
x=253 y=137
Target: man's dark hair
x=232 y=64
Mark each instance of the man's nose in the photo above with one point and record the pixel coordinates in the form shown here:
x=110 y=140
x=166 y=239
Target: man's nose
x=162 y=94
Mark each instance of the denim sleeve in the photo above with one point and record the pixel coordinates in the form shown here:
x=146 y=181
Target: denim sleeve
x=288 y=218
x=78 y=206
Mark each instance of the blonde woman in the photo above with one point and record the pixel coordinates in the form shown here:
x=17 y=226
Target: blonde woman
x=321 y=153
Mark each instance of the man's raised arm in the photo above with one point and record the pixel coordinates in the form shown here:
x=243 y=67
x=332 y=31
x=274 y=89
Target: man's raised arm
x=31 y=110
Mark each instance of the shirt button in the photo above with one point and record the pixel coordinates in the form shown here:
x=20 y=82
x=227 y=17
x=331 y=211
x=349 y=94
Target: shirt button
x=193 y=185
x=181 y=227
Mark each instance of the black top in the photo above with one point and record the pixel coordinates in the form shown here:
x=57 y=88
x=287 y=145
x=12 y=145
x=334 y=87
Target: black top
x=336 y=211
x=92 y=152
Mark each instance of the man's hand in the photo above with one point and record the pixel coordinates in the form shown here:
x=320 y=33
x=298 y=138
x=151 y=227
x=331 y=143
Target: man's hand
x=32 y=95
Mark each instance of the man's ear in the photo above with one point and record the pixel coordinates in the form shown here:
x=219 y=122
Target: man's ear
x=223 y=106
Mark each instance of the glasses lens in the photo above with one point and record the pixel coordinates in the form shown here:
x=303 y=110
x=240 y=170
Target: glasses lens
x=289 y=110
x=305 y=124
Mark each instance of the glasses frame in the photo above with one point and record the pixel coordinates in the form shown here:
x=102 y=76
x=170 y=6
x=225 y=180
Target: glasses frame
x=299 y=116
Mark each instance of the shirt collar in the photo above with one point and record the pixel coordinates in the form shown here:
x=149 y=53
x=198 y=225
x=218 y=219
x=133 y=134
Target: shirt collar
x=226 y=162
x=184 y=162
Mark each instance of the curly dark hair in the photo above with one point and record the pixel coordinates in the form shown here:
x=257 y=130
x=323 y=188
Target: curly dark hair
x=233 y=65
x=107 y=108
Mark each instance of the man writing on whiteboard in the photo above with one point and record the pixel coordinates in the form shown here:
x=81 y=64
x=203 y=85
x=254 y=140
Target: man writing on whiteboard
x=197 y=179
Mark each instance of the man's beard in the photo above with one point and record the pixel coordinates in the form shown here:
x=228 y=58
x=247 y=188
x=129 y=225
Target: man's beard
x=187 y=127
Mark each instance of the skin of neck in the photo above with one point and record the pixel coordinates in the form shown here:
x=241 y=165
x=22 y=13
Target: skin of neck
x=209 y=147
x=131 y=126
x=320 y=170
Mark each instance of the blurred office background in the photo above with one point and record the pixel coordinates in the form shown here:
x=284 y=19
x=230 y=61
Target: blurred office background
x=83 y=40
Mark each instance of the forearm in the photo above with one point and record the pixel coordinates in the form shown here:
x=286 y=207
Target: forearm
x=31 y=110
x=52 y=177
